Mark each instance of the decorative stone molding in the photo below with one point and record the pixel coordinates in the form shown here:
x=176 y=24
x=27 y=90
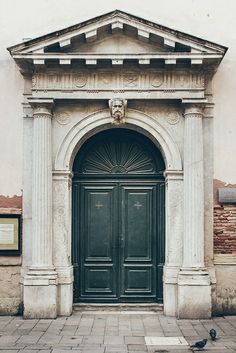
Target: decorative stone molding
x=193 y=110
x=101 y=120
x=117 y=110
x=62 y=118
x=42 y=111
x=173 y=118
x=138 y=79
x=222 y=259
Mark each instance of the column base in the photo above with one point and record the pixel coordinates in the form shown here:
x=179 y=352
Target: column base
x=170 y=290
x=194 y=294
x=40 y=294
x=65 y=290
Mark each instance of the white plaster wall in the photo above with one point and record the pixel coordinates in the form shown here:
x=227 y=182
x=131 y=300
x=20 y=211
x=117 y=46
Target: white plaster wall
x=210 y=19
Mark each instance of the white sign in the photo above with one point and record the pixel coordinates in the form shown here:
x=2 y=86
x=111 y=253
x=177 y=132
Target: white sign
x=6 y=233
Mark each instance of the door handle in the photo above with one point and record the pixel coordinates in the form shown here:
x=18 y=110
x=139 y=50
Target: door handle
x=122 y=241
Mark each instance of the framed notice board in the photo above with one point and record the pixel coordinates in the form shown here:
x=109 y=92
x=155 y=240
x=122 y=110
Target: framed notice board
x=10 y=234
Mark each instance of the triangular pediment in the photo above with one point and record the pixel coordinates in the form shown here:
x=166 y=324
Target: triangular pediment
x=117 y=36
x=118 y=43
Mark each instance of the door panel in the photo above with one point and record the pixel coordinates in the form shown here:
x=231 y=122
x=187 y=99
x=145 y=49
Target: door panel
x=99 y=223
x=120 y=241
x=137 y=223
x=138 y=253
x=97 y=243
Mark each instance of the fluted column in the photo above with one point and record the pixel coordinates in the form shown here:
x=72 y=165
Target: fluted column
x=42 y=188
x=193 y=255
x=40 y=283
x=194 y=290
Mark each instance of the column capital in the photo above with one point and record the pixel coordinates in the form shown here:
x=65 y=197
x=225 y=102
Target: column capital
x=193 y=110
x=174 y=174
x=41 y=107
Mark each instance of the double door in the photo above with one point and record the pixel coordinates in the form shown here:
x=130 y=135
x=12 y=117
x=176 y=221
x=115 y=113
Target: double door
x=118 y=240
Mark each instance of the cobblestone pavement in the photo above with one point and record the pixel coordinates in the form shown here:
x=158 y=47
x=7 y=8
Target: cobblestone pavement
x=111 y=332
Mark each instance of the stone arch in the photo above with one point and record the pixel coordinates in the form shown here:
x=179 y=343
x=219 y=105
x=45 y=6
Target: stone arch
x=101 y=120
x=76 y=136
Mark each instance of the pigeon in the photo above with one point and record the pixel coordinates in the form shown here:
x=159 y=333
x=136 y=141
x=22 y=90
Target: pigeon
x=199 y=344
x=212 y=333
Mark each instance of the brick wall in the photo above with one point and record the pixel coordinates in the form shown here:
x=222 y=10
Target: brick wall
x=224 y=224
x=225 y=229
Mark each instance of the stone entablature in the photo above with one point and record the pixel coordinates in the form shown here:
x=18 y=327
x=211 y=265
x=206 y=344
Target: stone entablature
x=150 y=83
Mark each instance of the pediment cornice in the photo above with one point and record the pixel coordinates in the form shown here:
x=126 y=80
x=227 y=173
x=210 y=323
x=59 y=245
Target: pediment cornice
x=176 y=46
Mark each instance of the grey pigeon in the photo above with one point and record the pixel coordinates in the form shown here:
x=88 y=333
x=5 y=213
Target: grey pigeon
x=212 y=333
x=199 y=344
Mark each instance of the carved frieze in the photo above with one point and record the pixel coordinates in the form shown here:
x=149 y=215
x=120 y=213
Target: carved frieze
x=132 y=80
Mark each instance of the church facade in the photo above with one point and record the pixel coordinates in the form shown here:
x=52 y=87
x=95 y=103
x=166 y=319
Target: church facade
x=118 y=169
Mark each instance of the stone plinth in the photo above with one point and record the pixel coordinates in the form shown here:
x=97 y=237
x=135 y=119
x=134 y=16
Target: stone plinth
x=194 y=294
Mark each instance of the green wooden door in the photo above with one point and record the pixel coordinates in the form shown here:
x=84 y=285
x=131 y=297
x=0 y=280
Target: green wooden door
x=118 y=222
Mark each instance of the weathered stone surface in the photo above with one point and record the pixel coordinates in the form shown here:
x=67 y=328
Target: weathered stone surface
x=10 y=292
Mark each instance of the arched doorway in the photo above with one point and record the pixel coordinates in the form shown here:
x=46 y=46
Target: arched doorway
x=118 y=219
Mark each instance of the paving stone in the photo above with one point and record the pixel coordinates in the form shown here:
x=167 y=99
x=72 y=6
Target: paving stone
x=121 y=348
x=64 y=350
x=71 y=340
x=93 y=339
x=116 y=346
x=137 y=347
x=134 y=340
x=95 y=350
x=113 y=340
x=50 y=339
x=8 y=339
x=35 y=347
x=29 y=339
x=111 y=333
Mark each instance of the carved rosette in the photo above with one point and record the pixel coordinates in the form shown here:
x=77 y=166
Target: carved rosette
x=62 y=118
x=173 y=118
x=117 y=110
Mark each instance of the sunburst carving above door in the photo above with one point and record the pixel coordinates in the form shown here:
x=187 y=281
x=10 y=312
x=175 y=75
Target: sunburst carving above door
x=119 y=153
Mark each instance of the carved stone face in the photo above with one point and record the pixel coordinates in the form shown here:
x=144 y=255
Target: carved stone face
x=117 y=109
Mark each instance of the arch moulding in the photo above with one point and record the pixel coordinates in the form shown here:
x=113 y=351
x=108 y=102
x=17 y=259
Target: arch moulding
x=101 y=120
x=62 y=215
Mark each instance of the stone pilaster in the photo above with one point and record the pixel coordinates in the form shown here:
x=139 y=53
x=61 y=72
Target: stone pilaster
x=40 y=283
x=62 y=239
x=194 y=291
x=174 y=234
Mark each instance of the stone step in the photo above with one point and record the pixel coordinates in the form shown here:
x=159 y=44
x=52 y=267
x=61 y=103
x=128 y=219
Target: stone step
x=154 y=307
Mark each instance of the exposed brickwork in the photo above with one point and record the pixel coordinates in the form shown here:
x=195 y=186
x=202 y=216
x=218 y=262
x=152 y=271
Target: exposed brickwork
x=225 y=229
x=224 y=223
x=10 y=205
